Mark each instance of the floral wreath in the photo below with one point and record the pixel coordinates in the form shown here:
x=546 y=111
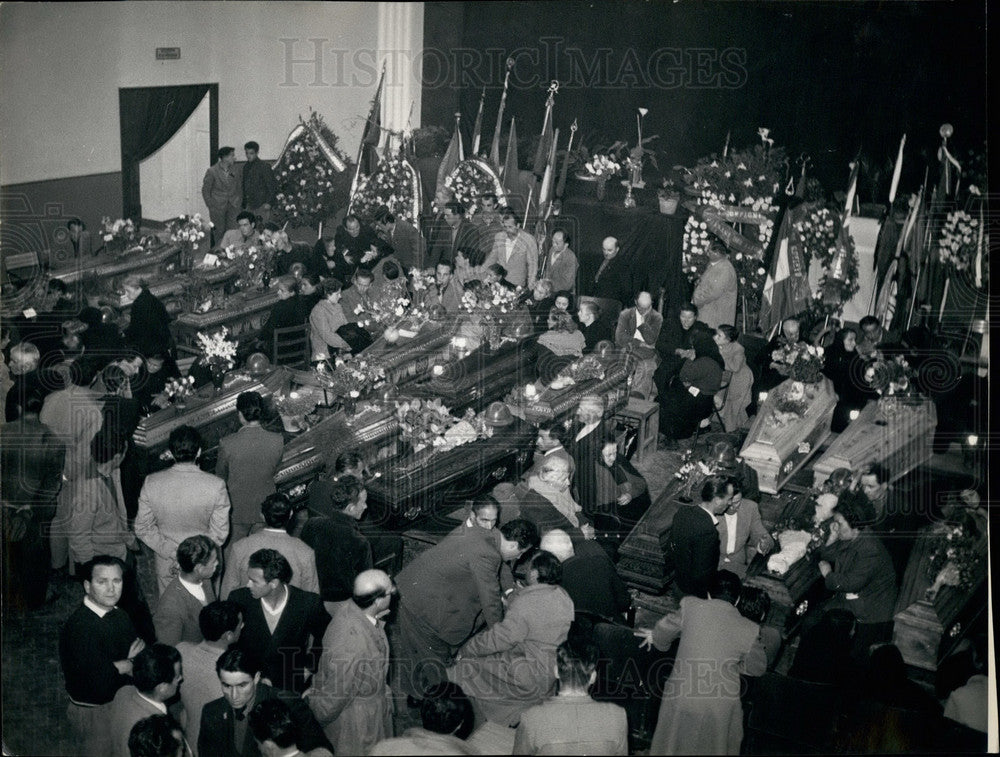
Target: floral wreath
x=471 y=179
x=836 y=253
x=395 y=184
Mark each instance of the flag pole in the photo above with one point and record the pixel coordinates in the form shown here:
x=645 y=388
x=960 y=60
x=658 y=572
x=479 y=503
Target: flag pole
x=479 y=124
x=527 y=208
x=561 y=187
x=920 y=260
x=495 y=144
x=361 y=146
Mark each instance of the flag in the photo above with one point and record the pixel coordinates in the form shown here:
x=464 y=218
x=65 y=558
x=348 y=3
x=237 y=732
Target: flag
x=545 y=142
x=852 y=190
x=495 y=145
x=477 y=129
x=511 y=177
x=372 y=133
x=786 y=289
x=454 y=155
x=561 y=186
x=549 y=179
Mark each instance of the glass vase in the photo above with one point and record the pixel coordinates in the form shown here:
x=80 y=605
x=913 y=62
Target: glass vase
x=602 y=187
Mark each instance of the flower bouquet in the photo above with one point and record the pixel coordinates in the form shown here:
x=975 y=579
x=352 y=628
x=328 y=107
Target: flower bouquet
x=118 y=234
x=423 y=423
x=692 y=474
x=800 y=362
x=893 y=380
x=351 y=376
x=958 y=559
x=294 y=406
x=960 y=239
x=254 y=263
x=382 y=309
x=422 y=283
x=218 y=353
x=177 y=390
x=585 y=368
x=494 y=304
x=601 y=168
x=188 y=232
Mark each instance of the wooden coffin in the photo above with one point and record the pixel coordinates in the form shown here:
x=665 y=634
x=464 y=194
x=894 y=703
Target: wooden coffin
x=433 y=484
x=901 y=441
x=644 y=560
x=243 y=315
x=410 y=356
x=479 y=378
x=105 y=266
x=776 y=451
x=373 y=430
x=214 y=415
x=557 y=403
x=927 y=629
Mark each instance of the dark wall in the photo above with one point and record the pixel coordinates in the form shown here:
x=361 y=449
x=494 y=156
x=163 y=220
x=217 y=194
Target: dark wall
x=827 y=79
x=34 y=211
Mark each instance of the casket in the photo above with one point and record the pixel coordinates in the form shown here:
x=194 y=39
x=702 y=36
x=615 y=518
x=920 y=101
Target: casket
x=776 y=450
x=243 y=315
x=479 y=378
x=556 y=403
x=644 y=560
x=105 y=266
x=927 y=629
x=901 y=441
x=214 y=415
x=431 y=484
x=410 y=356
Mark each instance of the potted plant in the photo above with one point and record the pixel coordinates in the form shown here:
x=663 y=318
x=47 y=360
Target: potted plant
x=669 y=196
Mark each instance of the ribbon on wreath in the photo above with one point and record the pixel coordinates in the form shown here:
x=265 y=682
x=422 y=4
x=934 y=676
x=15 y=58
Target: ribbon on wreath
x=718 y=221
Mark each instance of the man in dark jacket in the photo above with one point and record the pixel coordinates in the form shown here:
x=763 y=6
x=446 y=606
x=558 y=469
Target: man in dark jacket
x=283 y=626
x=225 y=728
x=342 y=551
x=694 y=539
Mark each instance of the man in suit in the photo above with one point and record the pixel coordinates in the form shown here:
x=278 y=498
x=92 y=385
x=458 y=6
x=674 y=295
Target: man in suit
x=448 y=291
x=444 y=590
x=356 y=246
x=283 y=626
x=742 y=533
x=244 y=235
x=156 y=675
x=404 y=238
x=349 y=695
x=516 y=250
x=548 y=501
x=561 y=264
x=222 y=190
x=342 y=551
x=694 y=538
x=586 y=439
x=181 y=603
x=856 y=566
x=224 y=728
x=278 y=515
x=488 y=219
x=453 y=234
x=715 y=294
x=551 y=441
x=220 y=624
x=97 y=645
x=180 y=502
x=594 y=328
x=612 y=280
x=589 y=576
x=717 y=646
x=258 y=185
x=247 y=462
x=790 y=335
x=639 y=327
x=276 y=732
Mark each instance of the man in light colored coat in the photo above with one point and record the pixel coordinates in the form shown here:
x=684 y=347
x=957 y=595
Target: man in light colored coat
x=156 y=675
x=742 y=533
x=248 y=461
x=179 y=502
x=349 y=695
x=715 y=294
x=639 y=327
x=222 y=190
x=516 y=250
x=561 y=265
x=278 y=513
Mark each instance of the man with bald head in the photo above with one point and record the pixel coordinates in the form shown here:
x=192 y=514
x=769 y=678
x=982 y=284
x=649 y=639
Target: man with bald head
x=639 y=328
x=612 y=281
x=349 y=695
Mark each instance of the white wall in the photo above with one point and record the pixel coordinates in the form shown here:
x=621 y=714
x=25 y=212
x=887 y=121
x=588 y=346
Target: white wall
x=61 y=65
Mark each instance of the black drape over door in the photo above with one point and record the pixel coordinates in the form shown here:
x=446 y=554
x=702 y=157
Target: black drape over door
x=150 y=116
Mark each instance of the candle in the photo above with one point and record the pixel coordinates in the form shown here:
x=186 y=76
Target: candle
x=438 y=370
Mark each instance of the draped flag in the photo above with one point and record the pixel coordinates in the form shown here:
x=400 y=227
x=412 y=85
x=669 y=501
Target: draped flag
x=454 y=155
x=373 y=132
x=549 y=179
x=495 y=145
x=545 y=141
x=894 y=286
x=786 y=289
x=511 y=183
x=477 y=129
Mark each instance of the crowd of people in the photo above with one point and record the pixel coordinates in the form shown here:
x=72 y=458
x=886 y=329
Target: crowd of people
x=268 y=631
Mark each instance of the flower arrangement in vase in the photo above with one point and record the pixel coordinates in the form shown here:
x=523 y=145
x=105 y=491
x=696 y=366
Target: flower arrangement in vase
x=219 y=354
x=188 y=232
x=958 y=557
x=799 y=362
x=177 y=390
x=602 y=167
x=118 y=234
x=893 y=380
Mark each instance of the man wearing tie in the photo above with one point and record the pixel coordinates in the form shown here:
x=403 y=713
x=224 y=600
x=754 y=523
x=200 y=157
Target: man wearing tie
x=516 y=250
x=694 y=538
x=742 y=533
x=561 y=265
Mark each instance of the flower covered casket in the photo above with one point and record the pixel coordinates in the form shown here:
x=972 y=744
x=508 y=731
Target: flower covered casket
x=792 y=422
x=943 y=591
x=898 y=435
